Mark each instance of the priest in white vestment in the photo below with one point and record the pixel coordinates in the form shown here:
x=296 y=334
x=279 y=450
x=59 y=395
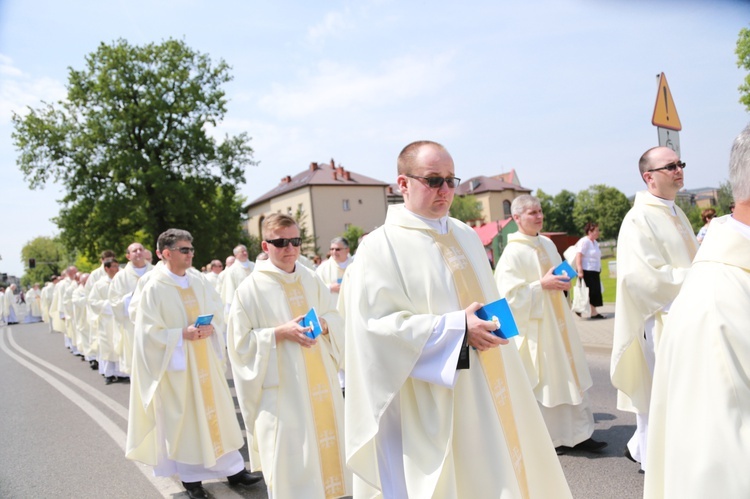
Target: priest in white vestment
x=435 y=406
x=548 y=340
x=57 y=322
x=212 y=276
x=34 y=303
x=120 y=293
x=46 y=299
x=655 y=248
x=66 y=307
x=699 y=442
x=101 y=308
x=235 y=274
x=9 y=305
x=286 y=382
x=182 y=417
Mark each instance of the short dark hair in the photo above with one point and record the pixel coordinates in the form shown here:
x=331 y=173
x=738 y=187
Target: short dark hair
x=109 y=261
x=589 y=227
x=169 y=237
x=107 y=254
x=408 y=155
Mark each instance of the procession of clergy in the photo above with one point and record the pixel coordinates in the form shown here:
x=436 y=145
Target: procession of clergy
x=436 y=404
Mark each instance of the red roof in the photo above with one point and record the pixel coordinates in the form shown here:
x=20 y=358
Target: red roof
x=487 y=232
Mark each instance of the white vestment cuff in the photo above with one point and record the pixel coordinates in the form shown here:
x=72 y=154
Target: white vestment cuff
x=437 y=363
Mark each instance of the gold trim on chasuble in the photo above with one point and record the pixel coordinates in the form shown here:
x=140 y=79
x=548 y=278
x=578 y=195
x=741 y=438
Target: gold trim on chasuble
x=321 y=399
x=200 y=351
x=558 y=307
x=687 y=237
x=469 y=291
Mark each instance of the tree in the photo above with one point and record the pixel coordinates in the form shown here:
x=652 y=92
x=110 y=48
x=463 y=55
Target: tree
x=743 y=61
x=724 y=198
x=50 y=256
x=130 y=146
x=352 y=235
x=545 y=200
x=604 y=205
x=466 y=208
x=309 y=243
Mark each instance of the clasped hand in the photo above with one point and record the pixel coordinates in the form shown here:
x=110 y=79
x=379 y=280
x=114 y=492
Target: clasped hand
x=294 y=331
x=552 y=282
x=193 y=332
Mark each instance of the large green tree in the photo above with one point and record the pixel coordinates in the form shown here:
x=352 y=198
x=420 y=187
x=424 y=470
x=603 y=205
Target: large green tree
x=558 y=211
x=466 y=208
x=131 y=147
x=743 y=61
x=604 y=205
x=352 y=235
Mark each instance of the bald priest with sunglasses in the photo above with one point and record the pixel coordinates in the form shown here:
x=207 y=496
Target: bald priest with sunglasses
x=655 y=249
x=286 y=372
x=436 y=404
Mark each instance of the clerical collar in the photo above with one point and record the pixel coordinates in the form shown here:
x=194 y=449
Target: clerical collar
x=669 y=203
x=245 y=264
x=181 y=280
x=439 y=224
x=739 y=226
x=140 y=270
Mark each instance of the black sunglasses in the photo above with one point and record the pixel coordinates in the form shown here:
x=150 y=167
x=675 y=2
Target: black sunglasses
x=437 y=182
x=670 y=167
x=283 y=242
x=184 y=249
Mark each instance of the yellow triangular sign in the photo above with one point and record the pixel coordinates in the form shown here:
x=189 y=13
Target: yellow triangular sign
x=665 y=114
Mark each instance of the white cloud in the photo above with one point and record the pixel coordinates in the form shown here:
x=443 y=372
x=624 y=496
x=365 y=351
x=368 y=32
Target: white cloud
x=332 y=24
x=335 y=86
x=19 y=90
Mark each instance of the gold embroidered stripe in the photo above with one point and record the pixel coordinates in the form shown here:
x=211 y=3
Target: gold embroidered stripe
x=469 y=290
x=321 y=400
x=200 y=352
x=557 y=305
x=689 y=238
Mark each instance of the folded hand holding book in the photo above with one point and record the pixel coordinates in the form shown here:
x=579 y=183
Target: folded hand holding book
x=565 y=269
x=499 y=313
x=204 y=320
x=311 y=319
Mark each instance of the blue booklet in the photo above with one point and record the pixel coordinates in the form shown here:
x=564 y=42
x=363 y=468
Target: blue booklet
x=311 y=319
x=565 y=269
x=204 y=320
x=499 y=313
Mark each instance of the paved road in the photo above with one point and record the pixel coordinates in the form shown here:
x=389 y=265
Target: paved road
x=63 y=430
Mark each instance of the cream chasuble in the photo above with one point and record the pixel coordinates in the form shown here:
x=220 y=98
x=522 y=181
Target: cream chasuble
x=454 y=442
x=120 y=292
x=181 y=408
x=34 y=302
x=46 y=294
x=289 y=395
x=655 y=249
x=105 y=325
x=699 y=429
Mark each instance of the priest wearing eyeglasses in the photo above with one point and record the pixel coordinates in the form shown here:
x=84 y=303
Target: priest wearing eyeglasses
x=655 y=249
x=286 y=381
x=235 y=274
x=436 y=404
x=182 y=418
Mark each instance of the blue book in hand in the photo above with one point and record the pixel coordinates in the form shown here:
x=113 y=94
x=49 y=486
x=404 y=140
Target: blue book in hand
x=499 y=313
x=311 y=319
x=565 y=269
x=204 y=320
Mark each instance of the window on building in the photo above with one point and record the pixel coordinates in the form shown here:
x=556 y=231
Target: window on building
x=506 y=208
x=346 y=226
x=346 y=205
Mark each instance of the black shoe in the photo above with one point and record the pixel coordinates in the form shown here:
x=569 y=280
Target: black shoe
x=562 y=450
x=590 y=445
x=598 y=316
x=110 y=379
x=195 y=490
x=94 y=364
x=244 y=477
x=578 y=314
x=628 y=455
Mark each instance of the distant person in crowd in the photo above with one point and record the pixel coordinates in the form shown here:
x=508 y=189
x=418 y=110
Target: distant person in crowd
x=87 y=340
x=212 y=276
x=9 y=305
x=706 y=215
x=332 y=270
x=317 y=261
x=68 y=313
x=34 y=301
x=46 y=298
x=698 y=443
x=655 y=248
x=182 y=417
x=235 y=274
x=435 y=405
x=286 y=381
x=102 y=319
x=548 y=340
x=2 y=305
x=589 y=266
x=120 y=293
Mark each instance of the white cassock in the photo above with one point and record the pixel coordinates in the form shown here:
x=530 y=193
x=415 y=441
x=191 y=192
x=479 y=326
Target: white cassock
x=699 y=435
x=277 y=390
x=55 y=308
x=655 y=248
x=120 y=292
x=233 y=276
x=182 y=418
x=34 y=301
x=87 y=343
x=548 y=340
x=46 y=295
x=9 y=306
x=213 y=280
x=415 y=425
x=105 y=326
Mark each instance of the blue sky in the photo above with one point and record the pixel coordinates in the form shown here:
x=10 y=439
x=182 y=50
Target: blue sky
x=562 y=91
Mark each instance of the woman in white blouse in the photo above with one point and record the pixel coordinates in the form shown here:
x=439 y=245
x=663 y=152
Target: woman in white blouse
x=589 y=265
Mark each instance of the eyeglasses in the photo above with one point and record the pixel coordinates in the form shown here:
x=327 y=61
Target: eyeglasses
x=338 y=249
x=437 y=182
x=283 y=242
x=184 y=249
x=670 y=167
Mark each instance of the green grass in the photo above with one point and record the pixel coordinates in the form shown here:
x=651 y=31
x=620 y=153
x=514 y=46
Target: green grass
x=609 y=283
